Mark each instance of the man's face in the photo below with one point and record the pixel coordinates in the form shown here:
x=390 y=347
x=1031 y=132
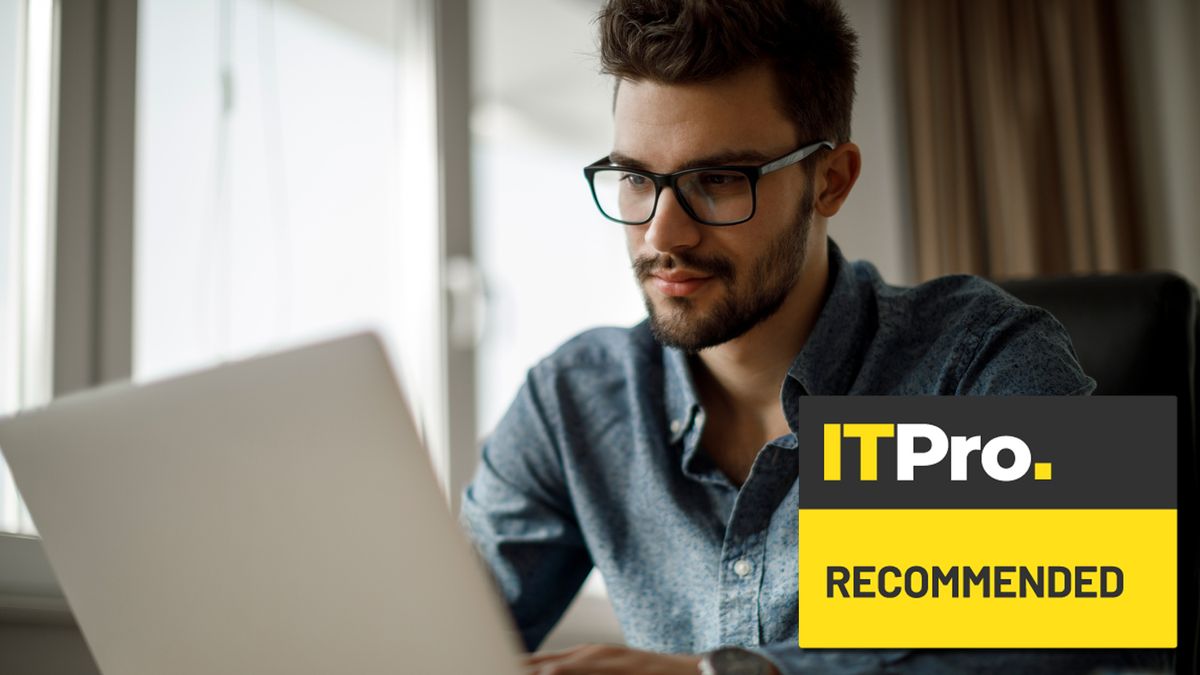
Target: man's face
x=705 y=285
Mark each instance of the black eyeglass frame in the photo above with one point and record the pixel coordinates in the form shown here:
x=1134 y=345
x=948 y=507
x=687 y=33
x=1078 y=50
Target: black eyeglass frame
x=664 y=180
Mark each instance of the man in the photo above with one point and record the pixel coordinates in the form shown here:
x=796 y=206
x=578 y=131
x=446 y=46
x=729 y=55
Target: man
x=664 y=454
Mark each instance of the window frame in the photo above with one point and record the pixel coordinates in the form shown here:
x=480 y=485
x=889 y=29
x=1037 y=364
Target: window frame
x=92 y=182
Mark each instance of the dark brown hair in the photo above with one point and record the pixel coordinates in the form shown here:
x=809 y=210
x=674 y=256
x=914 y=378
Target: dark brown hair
x=808 y=44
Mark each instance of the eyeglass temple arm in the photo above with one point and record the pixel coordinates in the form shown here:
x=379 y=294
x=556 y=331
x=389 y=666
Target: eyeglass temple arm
x=793 y=157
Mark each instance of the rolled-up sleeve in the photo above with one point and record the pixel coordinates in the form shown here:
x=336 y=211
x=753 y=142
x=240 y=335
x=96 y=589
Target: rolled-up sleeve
x=517 y=511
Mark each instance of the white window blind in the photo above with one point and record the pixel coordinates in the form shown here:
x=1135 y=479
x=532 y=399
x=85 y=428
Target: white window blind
x=26 y=242
x=287 y=184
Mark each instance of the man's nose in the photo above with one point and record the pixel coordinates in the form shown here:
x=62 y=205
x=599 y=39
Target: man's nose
x=672 y=228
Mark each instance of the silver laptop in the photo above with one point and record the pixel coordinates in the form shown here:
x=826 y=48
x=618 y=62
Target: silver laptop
x=273 y=515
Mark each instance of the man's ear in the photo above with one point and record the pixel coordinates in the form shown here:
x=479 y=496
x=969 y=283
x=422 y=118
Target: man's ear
x=836 y=175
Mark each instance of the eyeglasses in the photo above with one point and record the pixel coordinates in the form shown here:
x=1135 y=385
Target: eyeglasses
x=717 y=195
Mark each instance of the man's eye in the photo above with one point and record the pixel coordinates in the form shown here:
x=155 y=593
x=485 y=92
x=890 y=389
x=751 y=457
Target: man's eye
x=722 y=179
x=635 y=180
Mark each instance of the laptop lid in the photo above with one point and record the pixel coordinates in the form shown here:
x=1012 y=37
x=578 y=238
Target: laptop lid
x=273 y=515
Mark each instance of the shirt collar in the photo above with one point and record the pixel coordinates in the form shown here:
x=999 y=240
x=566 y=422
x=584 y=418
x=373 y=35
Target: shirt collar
x=832 y=355
x=826 y=365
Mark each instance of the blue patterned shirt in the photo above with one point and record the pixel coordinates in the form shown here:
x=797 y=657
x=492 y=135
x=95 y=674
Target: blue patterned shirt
x=598 y=464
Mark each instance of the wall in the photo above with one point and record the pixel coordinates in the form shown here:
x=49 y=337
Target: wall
x=874 y=225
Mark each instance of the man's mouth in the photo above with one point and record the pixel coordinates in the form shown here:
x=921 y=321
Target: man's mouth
x=677 y=283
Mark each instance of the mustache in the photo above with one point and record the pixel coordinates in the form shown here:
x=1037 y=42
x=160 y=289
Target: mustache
x=714 y=266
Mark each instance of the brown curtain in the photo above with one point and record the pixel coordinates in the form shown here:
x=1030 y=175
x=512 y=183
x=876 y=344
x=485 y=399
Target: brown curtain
x=1018 y=139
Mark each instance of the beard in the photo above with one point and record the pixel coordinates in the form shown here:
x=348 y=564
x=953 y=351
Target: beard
x=751 y=295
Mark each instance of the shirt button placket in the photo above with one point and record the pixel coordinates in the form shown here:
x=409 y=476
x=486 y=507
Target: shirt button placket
x=742 y=568
x=739 y=595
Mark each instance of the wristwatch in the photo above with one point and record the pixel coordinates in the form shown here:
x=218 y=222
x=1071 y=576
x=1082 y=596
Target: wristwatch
x=734 y=661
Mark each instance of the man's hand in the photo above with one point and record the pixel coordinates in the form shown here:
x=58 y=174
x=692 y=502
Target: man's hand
x=610 y=660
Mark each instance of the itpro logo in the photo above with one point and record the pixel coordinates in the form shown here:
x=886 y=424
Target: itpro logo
x=909 y=458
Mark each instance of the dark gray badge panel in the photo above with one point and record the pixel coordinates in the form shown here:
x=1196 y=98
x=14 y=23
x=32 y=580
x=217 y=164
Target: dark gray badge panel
x=1105 y=452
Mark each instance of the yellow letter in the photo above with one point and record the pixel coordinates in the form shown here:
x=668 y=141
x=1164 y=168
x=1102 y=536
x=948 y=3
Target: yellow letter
x=833 y=452
x=868 y=446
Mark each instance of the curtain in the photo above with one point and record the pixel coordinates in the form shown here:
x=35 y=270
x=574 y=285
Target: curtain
x=1019 y=144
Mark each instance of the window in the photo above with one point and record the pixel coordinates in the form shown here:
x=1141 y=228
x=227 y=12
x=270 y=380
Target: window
x=287 y=185
x=554 y=266
x=26 y=39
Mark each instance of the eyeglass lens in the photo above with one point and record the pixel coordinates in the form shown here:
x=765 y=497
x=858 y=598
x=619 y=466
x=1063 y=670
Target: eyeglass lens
x=714 y=197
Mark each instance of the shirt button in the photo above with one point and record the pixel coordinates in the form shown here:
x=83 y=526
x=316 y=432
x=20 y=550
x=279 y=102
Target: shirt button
x=676 y=425
x=742 y=567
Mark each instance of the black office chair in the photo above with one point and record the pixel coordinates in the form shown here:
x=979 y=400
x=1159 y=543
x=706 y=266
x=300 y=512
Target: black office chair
x=1137 y=334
